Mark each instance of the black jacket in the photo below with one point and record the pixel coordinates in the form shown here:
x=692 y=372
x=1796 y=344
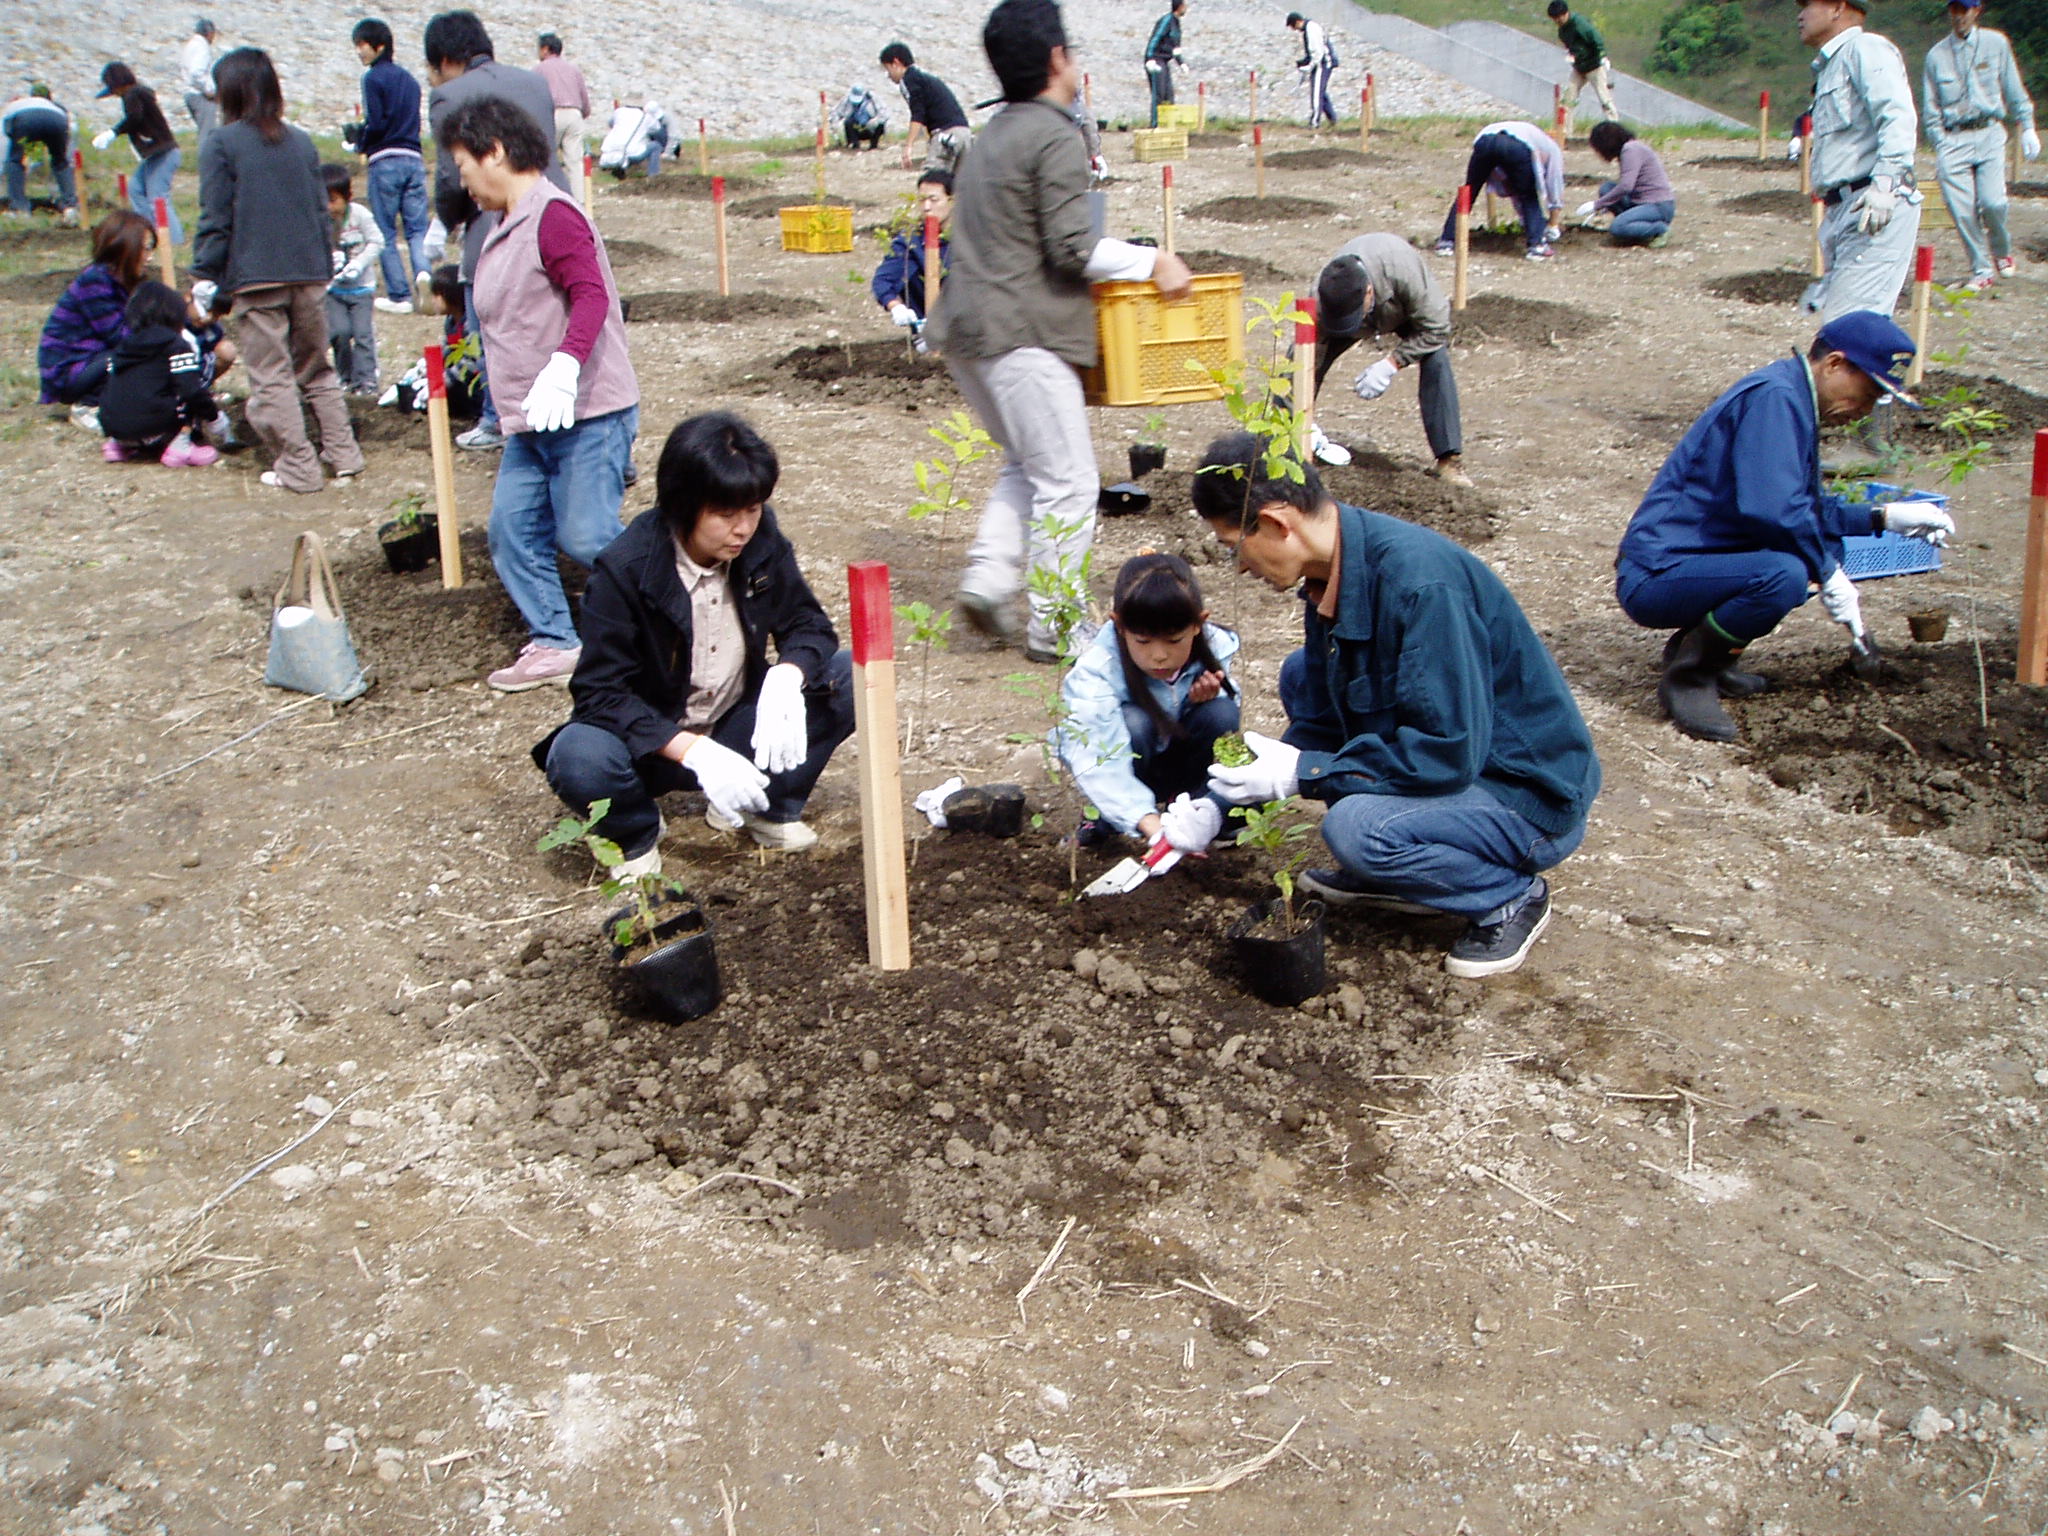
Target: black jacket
x=932 y=101
x=262 y=211
x=142 y=120
x=156 y=386
x=634 y=677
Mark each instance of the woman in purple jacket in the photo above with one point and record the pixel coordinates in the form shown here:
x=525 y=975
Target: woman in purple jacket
x=1640 y=196
x=78 y=339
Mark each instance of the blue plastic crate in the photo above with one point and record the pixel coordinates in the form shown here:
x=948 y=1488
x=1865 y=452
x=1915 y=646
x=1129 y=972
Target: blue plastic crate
x=1869 y=556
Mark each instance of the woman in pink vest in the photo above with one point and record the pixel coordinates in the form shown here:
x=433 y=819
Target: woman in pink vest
x=557 y=344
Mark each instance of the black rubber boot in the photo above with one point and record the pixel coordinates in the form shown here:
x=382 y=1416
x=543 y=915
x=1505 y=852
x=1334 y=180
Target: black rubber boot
x=1690 y=691
x=1732 y=681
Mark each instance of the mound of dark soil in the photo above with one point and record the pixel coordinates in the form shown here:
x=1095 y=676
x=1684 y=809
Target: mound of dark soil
x=1772 y=163
x=2023 y=410
x=1788 y=203
x=1776 y=286
x=1326 y=158
x=1522 y=322
x=686 y=304
x=870 y=370
x=769 y=205
x=1004 y=1080
x=627 y=249
x=36 y=287
x=1257 y=271
x=46 y=237
x=414 y=633
x=382 y=426
x=669 y=184
x=1261 y=210
x=1399 y=488
x=1983 y=789
x=2027 y=188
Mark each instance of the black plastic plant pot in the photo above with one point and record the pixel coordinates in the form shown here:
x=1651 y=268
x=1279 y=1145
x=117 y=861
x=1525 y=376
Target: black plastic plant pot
x=1282 y=970
x=994 y=809
x=411 y=548
x=678 y=972
x=1146 y=457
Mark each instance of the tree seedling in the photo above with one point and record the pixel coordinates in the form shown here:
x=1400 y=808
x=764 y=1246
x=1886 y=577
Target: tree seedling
x=645 y=892
x=407 y=511
x=1277 y=829
x=938 y=480
x=928 y=629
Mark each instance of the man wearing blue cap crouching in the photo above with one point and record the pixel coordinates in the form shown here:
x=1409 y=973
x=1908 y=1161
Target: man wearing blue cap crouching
x=1736 y=529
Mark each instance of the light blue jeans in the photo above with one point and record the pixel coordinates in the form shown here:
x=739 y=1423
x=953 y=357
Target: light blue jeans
x=398 y=202
x=1463 y=852
x=558 y=491
x=152 y=180
x=1640 y=223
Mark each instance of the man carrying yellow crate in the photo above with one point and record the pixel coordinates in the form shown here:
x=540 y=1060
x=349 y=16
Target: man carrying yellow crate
x=1016 y=322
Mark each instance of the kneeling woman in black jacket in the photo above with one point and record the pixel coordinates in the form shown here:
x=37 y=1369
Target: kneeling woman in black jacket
x=675 y=689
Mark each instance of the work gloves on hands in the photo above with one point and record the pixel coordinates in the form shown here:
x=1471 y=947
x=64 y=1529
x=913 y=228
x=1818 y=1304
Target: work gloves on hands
x=434 y=244
x=2030 y=144
x=103 y=140
x=204 y=290
x=780 y=739
x=1190 y=824
x=734 y=786
x=1793 y=146
x=1372 y=383
x=1587 y=209
x=1919 y=520
x=1274 y=773
x=902 y=314
x=551 y=404
x=1875 y=207
x=1838 y=596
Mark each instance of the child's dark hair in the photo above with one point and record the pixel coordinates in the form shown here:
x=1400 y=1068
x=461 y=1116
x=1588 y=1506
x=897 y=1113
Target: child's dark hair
x=337 y=181
x=897 y=53
x=713 y=460
x=1158 y=595
x=446 y=285
x=156 y=304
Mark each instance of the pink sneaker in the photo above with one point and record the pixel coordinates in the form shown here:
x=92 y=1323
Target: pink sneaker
x=536 y=667
x=183 y=453
x=113 y=452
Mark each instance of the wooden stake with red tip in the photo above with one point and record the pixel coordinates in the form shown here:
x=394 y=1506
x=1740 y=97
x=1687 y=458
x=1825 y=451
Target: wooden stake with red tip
x=442 y=446
x=1820 y=255
x=121 y=188
x=166 y=258
x=1201 y=105
x=1923 y=306
x=1763 y=125
x=1464 y=248
x=78 y=182
x=931 y=265
x=589 y=183
x=1255 y=95
x=718 y=235
x=1259 y=157
x=821 y=165
x=1166 y=208
x=1372 y=104
x=1557 y=114
x=703 y=150
x=2034 y=590
x=1304 y=376
x=1364 y=118
x=881 y=770
x=1806 y=154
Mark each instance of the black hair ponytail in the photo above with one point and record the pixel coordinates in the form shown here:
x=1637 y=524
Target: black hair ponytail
x=1157 y=594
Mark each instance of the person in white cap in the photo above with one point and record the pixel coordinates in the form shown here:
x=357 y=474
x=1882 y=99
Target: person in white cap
x=1970 y=89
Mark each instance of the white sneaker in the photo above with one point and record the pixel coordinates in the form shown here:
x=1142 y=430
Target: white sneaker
x=784 y=836
x=392 y=306
x=1324 y=451
x=88 y=417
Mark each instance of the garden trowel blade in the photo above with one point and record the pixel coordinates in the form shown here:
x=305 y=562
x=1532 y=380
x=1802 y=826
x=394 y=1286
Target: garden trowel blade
x=1126 y=875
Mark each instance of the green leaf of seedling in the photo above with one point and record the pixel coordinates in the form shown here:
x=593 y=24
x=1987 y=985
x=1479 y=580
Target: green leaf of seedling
x=605 y=851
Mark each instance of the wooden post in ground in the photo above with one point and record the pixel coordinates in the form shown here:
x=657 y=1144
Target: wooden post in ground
x=821 y=165
x=703 y=150
x=120 y=189
x=443 y=448
x=166 y=258
x=1255 y=95
x=1201 y=105
x=589 y=185
x=881 y=773
x=1923 y=307
x=1364 y=119
x=1304 y=377
x=1557 y=114
x=1492 y=209
x=1763 y=125
x=2034 y=590
x=78 y=182
x=1463 y=259
x=1372 y=104
x=931 y=265
x=1166 y=208
x=1259 y=156
x=824 y=117
x=1806 y=154
x=718 y=236
x=1820 y=256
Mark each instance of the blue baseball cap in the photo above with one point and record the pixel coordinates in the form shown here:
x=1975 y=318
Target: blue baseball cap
x=1877 y=345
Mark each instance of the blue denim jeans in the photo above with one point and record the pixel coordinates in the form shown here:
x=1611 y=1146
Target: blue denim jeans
x=587 y=763
x=49 y=131
x=151 y=180
x=558 y=491
x=1463 y=852
x=1180 y=766
x=398 y=202
x=1640 y=223
x=1747 y=593
x=1516 y=162
x=487 y=415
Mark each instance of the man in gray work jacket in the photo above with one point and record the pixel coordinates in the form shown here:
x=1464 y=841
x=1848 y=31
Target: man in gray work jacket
x=1377 y=284
x=1016 y=322
x=1969 y=90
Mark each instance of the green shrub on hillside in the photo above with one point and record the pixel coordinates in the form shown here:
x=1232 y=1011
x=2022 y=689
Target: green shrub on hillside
x=1699 y=38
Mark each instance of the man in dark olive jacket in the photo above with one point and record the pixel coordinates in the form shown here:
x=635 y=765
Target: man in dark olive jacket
x=674 y=689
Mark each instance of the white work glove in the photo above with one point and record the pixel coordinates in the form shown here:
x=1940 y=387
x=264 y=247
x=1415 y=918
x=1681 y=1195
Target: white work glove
x=434 y=245
x=1587 y=209
x=1272 y=774
x=1793 y=146
x=734 y=786
x=1838 y=596
x=1875 y=207
x=2030 y=144
x=1552 y=233
x=902 y=314
x=1919 y=520
x=1373 y=383
x=551 y=404
x=103 y=140
x=1151 y=66
x=1323 y=450
x=1191 y=825
x=203 y=292
x=780 y=740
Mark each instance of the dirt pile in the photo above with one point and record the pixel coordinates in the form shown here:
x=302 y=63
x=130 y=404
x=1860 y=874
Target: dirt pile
x=1257 y=270
x=1399 y=488
x=2023 y=410
x=1777 y=286
x=1770 y=163
x=871 y=370
x=1787 y=203
x=1326 y=158
x=666 y=304
x=415 y=634
x=1522 y=322
x=1261 y=210
x=36 y=287
x=672 y=186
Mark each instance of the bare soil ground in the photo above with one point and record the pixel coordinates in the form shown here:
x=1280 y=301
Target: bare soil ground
x=344 y=1191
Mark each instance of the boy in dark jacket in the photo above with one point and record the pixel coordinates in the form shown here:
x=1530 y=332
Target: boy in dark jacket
x=674 y=689
x=898 y=283
x=156 y=147
x=157 y=392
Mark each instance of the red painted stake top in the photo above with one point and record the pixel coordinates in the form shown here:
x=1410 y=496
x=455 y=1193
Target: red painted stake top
x=2041 y=462
x=163 y=214
x=718 y=189
x=1258 y=133
x=700 y=127
x=1763 y=99
x=121 y=184
x=78 y=159
x=1923 y=264
x=874 y=622
x=931 y=232
x=437 y=372
x=588 y=164
x=1464 y=199
x=1166 y=177
x=1305 y=330
x=1805 y=124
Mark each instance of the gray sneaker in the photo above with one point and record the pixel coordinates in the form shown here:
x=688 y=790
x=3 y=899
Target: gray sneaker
x=1494 y=949
x=88 y=417
x=480 y=439
x=987 y=616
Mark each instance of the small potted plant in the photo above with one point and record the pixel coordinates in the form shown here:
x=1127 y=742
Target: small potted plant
x=1279 y=943
x=412 y=539
x=1149 y=451
x=661 y=939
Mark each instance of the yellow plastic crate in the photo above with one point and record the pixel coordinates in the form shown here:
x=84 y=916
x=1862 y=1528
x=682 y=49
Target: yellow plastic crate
x=1147 y=343
x=1151 y=144
x=817 y=228
x=1173 y=115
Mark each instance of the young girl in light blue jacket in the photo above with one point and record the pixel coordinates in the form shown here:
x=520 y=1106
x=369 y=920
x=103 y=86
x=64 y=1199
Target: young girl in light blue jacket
x=1147 y=699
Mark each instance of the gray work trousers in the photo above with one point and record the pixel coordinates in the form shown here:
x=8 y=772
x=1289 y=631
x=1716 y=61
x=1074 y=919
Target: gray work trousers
x=1436 y=388
x=1040 y=513
x=1863 y=271
x=1971 y=169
